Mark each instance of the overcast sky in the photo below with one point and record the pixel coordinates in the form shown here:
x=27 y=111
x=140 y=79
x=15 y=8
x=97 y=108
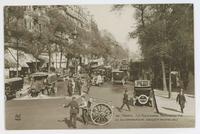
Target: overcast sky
x=117 y=23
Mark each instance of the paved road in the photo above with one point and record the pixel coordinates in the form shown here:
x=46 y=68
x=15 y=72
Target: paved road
x=48 y=113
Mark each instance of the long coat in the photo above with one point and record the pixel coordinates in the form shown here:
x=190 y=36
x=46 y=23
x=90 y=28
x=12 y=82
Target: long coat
x=181 y=99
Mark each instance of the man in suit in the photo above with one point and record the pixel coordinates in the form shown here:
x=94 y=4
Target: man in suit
x=74 y=110
x=125 y=101
x=181 y=99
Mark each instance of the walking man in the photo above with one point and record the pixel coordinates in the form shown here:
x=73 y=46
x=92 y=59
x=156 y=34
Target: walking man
x=70 y=87
x=88 y=82
x=125 y=101
x=74 y=110
x=181 y=99
x=78 y=85
x=83 y=106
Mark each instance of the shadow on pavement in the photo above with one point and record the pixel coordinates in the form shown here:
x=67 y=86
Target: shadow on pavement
x=66 y=121
x=163 y=96
x=191 y=96
x=171 y=109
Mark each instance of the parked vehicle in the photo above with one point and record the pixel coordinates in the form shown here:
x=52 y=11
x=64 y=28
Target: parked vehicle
x=12 y=85
x=143 y=92
x=43 y=82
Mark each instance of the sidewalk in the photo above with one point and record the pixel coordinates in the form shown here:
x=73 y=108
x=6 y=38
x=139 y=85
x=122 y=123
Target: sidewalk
x=171 y=107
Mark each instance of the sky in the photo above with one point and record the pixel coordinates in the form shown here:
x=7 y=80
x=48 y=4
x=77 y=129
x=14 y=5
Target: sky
x=119 y=23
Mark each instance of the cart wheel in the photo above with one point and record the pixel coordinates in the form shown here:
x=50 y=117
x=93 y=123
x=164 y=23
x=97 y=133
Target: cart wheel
x=101 y=114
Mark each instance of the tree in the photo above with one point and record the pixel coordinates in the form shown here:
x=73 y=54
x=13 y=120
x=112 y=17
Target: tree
x=164 y=35
x=37 y=39
x=14 y=30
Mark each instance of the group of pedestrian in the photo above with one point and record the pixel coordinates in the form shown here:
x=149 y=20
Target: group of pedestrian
x=75 y=109
x=74 y=85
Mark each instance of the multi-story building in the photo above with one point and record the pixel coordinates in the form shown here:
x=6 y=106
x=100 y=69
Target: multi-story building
x=35 y=17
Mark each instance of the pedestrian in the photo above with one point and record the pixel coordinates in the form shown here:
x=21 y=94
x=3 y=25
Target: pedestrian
x=78 y=85
x=99 y=79
x=70 y=87
x=123 y=81
x=88 y=82
x=83 y=106
x=74 y=110
x=125 y=101
x=181 y=99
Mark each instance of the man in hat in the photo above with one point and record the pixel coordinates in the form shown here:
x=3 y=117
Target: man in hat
x=181 y=99
x=125 y=101
x=83 y=106
x=74 y=110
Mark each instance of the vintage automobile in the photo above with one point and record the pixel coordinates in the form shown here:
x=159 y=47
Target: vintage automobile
x=12 y=86
x=118 y=76
x=43 y=82
x=143 y=92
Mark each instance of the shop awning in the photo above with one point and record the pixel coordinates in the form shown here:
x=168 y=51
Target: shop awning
x=10 y=58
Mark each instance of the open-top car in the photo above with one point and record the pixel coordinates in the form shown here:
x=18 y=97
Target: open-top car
x=143 y=92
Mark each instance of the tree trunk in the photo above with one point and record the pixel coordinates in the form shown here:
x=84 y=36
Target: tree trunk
x=17 y=58
x=67 y=65
x=56 y=60
x=36 y=64
x=170 y=82
x=49 y=53
x=61 y=53
x=164 y=75
x=17 y=50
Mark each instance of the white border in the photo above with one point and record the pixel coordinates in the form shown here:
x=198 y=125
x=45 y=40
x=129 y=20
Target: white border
x=104 y=131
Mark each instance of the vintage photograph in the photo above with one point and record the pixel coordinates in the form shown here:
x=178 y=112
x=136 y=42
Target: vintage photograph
x=99 y=66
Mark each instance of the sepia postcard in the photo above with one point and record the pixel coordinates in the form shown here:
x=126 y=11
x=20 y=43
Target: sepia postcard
x=108 y=66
